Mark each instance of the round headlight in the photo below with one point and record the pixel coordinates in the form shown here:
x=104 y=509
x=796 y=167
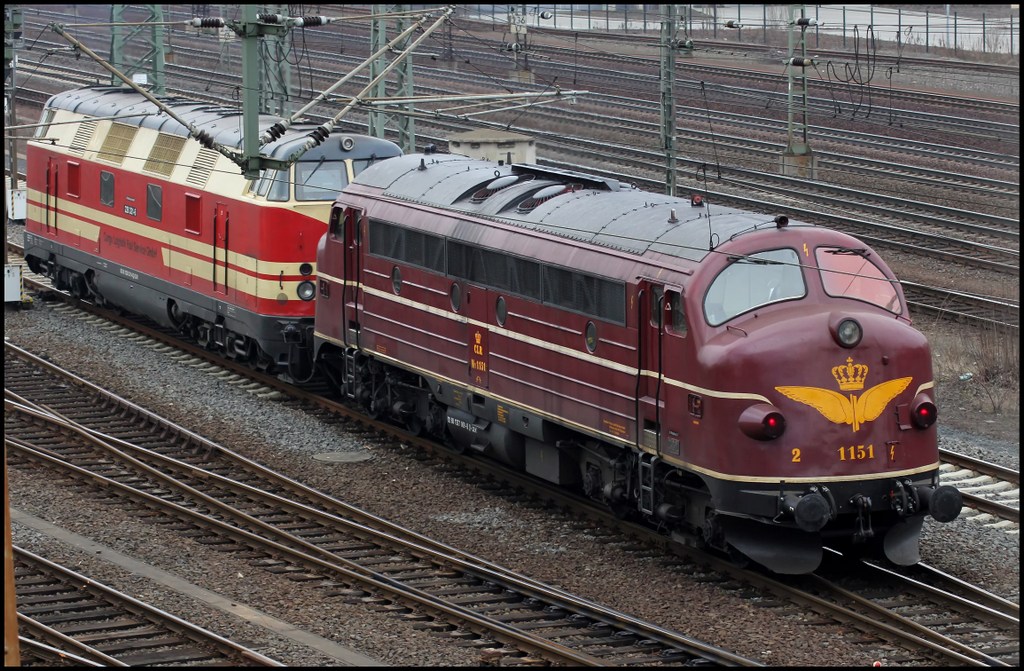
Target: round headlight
x=306 y=290
x=849 y=333
x=305 y=269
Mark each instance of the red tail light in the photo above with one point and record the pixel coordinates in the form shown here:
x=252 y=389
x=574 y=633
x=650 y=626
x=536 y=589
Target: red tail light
x=762 y=422
x=924 y=413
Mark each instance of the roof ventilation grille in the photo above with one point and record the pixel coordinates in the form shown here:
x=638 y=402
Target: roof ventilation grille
x=494 y=186
x=546 y=194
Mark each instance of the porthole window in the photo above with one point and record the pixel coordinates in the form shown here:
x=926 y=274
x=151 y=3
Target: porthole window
x=456 y=296
x=500 y=310
x=591 y=337
x=396 y=280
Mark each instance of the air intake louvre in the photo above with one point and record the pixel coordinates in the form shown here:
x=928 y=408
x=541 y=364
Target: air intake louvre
x=82 y=137
x=116 y=144
x=202 y=167
x=164 y=156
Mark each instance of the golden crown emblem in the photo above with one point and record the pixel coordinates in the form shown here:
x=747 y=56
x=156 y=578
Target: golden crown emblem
x=851 y=376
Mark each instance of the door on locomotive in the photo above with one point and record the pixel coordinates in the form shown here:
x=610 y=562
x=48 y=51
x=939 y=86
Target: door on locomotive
x=341 y=251
x=477 y=302
x=651 y=304
x=221 y=223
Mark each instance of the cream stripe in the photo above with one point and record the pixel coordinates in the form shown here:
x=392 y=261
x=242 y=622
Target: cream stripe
x=188 y=243
x=545 y=345
x=667 y=458
x=172 y=247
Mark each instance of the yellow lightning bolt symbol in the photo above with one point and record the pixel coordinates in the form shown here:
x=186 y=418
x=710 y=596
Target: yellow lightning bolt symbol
x=806 y=253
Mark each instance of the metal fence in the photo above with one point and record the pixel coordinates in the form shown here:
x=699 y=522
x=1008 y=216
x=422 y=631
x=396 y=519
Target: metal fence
x=996 y=31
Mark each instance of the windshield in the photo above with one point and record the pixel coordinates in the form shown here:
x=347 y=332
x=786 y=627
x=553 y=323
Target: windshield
x=850 y=273
x=320 y=179
x=752 y=281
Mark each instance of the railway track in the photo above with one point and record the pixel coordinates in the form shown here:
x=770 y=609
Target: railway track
x=61 y=610
x=991 y=490
x=815 y=205
x=840 y=606
x=551 y=60
x=969 y=626
x=900 y=224
x=302 y=533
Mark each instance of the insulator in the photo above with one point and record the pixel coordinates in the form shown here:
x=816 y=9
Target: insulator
x=314 y=21
x=320 y=134
x=806 y=22
x=208 y=22
x=270 y=18
x=205 y=139
x=276 y=131
x=801 y=62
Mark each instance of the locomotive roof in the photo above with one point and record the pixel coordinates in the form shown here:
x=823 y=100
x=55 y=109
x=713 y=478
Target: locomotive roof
x=598 y=210
x=223 y=123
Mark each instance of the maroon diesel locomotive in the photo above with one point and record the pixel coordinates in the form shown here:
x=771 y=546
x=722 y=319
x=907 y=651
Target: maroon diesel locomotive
x=125 y=210
x=749 y=382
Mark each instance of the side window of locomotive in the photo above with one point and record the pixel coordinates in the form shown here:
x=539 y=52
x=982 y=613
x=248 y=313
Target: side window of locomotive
x=107 y=188
x=657 y=305
x=262 y=184
x=154 y=201
x=850 y=273
x=277 y=185
x=752 y=281
x=412 y=247
x=676 y=316
x=335 y=227
x=44 y=126
x=74 y=179
x=320 y=180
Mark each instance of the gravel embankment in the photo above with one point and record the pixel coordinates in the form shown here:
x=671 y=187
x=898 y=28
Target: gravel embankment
x=541 y=544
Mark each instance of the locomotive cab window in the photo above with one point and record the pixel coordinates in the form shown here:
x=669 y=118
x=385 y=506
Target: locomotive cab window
x=44 y=126
x=667 y=310
x=335 y=228
x=276 y=186
x=657 y=305
x=750 y=282
x=320 y=179
x=850 y=273
x=674 y=313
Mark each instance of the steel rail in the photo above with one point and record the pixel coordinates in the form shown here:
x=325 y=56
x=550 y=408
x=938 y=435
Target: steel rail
x=312 y=553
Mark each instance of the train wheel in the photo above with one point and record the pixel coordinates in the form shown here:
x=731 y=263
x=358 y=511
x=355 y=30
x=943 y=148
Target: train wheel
x=621 y=509
x=738 y=558
x=178 y=318
x=203 y=335
x=414 y=424
x=78 y=287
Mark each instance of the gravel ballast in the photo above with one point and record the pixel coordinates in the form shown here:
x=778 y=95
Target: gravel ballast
x=541 y=544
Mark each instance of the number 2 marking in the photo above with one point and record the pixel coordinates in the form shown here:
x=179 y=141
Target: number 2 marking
x=796 y=455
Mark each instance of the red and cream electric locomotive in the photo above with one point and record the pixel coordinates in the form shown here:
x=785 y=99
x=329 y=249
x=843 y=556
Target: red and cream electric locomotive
x=125 y=210
x=744 y=380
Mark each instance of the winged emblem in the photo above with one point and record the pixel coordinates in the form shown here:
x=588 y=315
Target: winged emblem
x=853 y=410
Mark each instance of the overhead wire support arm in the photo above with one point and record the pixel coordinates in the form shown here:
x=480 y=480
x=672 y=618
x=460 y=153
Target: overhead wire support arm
x=321 y=133
x=201 y=136
x=279 y=128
